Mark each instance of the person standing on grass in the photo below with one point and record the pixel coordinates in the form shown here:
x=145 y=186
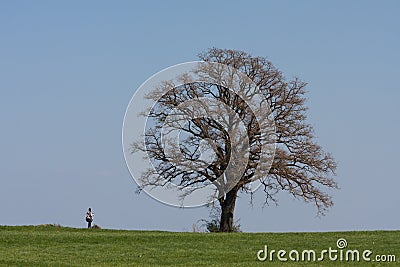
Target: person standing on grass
x=89 y=217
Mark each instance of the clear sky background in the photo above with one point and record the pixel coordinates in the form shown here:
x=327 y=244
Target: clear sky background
x=69 y=68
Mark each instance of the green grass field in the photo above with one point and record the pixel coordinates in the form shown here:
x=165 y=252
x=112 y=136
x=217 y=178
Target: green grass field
x=61 y=246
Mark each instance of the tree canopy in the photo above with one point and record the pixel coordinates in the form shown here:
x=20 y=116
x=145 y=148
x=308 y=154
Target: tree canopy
x=247 y=127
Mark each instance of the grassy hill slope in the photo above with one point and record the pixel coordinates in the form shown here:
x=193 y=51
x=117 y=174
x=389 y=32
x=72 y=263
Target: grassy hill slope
x=61 y=246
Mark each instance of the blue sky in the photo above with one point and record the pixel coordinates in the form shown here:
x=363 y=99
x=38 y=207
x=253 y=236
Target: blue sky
x=68 y=70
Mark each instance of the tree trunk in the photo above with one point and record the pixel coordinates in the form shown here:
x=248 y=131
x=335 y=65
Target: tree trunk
x=227 y=211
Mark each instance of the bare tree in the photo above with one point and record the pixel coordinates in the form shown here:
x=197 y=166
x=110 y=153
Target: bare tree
x=268 y=137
